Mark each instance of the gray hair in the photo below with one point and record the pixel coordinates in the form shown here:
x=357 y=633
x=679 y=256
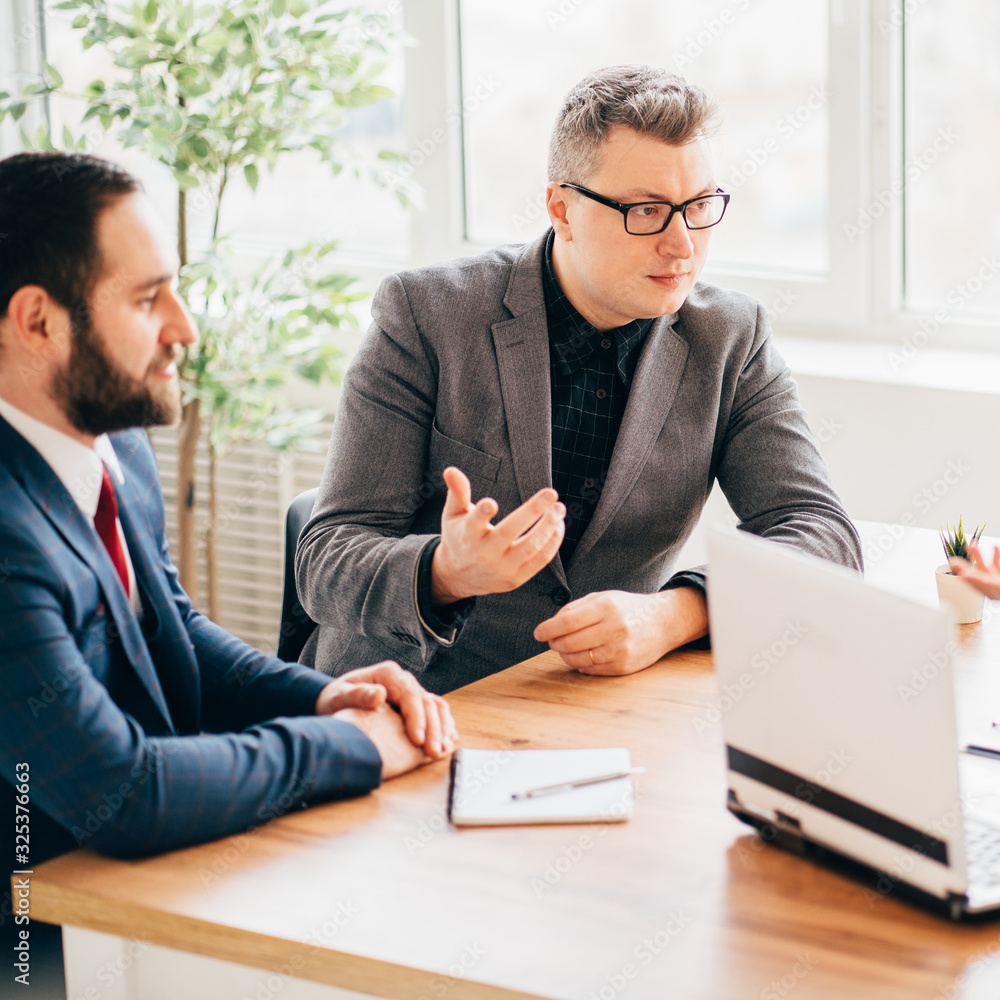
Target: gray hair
x=649 y=100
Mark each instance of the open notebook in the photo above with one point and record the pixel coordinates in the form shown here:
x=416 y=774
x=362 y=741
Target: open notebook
x=484 y=781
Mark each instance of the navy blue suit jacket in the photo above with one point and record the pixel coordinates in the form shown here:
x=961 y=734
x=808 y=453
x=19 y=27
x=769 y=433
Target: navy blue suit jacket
x=140 y=737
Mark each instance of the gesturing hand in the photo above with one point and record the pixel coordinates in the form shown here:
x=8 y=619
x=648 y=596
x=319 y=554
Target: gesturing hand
x=476 y=557
x=426 y=717
x=986 y=579
x=613 y=632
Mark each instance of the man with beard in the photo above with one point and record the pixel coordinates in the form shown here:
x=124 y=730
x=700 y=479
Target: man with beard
x=128 y=721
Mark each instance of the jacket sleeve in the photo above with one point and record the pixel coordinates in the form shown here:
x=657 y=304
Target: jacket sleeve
x=356 y=563
x=121 y=791
x=769 y=467
x=240 y=685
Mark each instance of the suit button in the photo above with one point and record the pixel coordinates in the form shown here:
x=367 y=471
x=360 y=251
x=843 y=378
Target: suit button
x=600 y=393
x=560 y=596
x=606 y=343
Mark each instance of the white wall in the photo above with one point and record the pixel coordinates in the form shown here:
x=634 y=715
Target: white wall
x=899 y=453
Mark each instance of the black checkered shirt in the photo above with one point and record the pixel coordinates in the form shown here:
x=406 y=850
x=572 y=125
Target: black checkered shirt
x=591 y=372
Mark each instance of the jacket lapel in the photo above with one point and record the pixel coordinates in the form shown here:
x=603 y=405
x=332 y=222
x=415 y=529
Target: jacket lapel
x=180 y=682
x=47 y=492
x=654 y=388
x=522 y=350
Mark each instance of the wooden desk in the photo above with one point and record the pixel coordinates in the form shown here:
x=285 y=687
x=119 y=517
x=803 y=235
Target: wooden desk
x=378 y=895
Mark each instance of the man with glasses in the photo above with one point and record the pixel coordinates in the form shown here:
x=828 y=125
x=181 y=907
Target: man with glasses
x=526 y=439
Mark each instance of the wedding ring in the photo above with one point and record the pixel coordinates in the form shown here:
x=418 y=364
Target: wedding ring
x=591 y=652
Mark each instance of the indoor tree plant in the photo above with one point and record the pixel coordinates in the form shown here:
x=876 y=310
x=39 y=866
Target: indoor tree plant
x=215 y=91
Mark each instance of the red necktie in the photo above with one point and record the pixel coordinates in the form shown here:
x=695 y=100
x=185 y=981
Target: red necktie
x=105 y=521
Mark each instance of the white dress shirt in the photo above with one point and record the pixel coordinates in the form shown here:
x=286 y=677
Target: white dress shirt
x=79 y=469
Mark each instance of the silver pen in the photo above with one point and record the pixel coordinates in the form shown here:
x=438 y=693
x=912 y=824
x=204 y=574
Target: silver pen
x=534 y=793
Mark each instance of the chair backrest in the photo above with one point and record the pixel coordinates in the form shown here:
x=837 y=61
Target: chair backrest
x=296 y=625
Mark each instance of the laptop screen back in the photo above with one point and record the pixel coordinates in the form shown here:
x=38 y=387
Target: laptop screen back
x=837 y=694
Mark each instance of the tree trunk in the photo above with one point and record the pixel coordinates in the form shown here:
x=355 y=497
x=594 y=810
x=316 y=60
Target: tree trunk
x=211 y=538
x=187 y=531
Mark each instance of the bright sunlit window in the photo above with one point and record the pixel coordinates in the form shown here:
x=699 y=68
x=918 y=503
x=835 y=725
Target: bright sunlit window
x=952 y=147
x=302 y=200
x=774 y=110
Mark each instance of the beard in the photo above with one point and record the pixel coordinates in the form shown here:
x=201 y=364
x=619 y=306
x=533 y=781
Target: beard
x=99 y=398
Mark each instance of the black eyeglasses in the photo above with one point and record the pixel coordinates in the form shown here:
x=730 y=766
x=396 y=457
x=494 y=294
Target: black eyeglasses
x=647 y=218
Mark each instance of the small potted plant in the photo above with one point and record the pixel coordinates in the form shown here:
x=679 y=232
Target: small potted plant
x=959 y=598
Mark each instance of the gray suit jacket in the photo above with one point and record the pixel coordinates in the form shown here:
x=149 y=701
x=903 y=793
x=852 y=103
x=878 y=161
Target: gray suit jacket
x=455 y=371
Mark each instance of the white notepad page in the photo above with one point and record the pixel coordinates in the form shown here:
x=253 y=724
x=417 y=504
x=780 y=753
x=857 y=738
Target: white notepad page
x=485 y=780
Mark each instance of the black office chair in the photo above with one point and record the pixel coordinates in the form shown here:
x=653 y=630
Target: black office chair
x=296 y=625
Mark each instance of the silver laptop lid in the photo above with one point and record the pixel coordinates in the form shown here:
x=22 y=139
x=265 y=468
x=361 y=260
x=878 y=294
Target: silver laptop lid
x=838 y=707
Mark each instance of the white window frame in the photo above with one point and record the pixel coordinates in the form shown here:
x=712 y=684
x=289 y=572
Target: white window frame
x=860 y=297
x=20 y=52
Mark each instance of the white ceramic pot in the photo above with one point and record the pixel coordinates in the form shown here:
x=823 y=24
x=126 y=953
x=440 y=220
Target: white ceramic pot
x=960 y=599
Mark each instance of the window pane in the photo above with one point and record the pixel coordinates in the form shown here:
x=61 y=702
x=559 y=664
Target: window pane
x=301 y=200
x=952 y=148
x=765 y=63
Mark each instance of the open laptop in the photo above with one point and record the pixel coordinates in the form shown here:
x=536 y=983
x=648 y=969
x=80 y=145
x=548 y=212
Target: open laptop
x=837 y=705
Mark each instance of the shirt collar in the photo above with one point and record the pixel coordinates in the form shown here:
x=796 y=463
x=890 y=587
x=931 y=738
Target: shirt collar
x=77 y=466
x=572 y=339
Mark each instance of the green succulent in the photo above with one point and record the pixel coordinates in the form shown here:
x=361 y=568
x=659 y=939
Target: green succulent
x=955 y=541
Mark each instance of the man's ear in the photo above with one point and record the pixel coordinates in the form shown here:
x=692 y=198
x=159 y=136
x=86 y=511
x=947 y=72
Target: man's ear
x=37 y=322
x=557 y=205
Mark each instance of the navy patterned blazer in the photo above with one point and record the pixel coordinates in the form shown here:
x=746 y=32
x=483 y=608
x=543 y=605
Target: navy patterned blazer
x=140 y=737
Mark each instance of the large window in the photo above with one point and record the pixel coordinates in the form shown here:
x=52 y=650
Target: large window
x=952 y=148
x=764 y=61
x=857 y=141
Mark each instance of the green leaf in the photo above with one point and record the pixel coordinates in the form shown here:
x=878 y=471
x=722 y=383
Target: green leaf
x=68 y=141
x=152 y=9
x=17 y=110
x=51 y=75
x=185 y=180
x=81 y=21
x=133 y=136
x=252 y=175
